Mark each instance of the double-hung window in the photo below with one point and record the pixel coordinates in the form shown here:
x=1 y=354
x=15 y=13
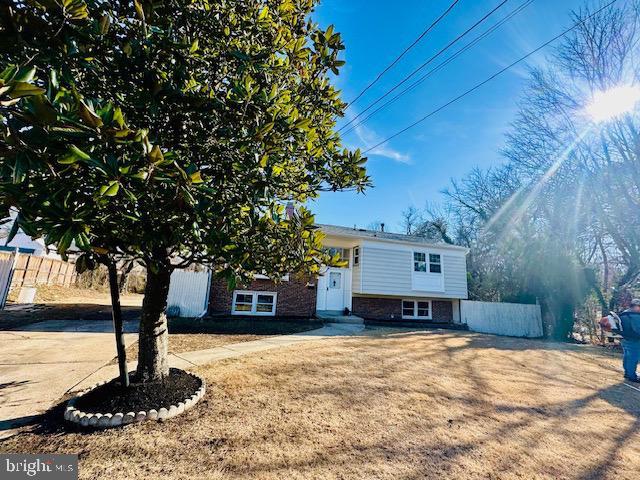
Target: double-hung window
x=423 y=262
x=356 y=256
x=419 y=262
x=435 y=263
x=254 y=303
x=416 y=309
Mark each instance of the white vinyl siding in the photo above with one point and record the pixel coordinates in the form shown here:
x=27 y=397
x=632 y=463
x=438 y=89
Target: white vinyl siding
x=356 y=276
x=387 y=269
x=455 y=275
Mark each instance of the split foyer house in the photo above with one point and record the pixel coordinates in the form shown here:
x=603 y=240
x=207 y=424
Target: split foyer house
x=388 y=277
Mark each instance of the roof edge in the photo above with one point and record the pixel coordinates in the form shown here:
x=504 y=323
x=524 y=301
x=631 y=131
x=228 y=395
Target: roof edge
x=349 y=232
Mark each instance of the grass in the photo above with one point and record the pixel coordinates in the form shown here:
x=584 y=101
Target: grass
x=389 y=404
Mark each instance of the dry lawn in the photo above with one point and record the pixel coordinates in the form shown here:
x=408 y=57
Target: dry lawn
x=55 y=294
x=388 y=405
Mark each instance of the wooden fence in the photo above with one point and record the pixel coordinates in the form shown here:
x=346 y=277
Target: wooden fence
x=31 y=270
x=510 y=319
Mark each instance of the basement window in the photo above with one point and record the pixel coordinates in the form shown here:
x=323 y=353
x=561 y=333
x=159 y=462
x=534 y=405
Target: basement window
x=254 y=303
x=416 y=309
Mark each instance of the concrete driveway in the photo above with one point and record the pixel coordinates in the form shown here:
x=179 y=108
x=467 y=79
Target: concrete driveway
x=41 y=362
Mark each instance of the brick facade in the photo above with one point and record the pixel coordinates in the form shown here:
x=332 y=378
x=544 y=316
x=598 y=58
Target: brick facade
x=376 y=308
x=295 y=298
x=442 y=310
x=390 y=309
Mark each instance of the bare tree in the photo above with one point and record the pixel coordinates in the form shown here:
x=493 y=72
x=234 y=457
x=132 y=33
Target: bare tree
x=411 y=218
x=561 y=217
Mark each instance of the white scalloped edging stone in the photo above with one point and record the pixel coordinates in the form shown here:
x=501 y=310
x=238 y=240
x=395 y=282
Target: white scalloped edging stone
x=109 y=420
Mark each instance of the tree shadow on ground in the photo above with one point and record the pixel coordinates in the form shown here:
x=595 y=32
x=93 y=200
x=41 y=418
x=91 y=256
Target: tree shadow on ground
x=527 y=426
x=49 y=423
x=17 y=317
x=242 y=326
x=501 y=411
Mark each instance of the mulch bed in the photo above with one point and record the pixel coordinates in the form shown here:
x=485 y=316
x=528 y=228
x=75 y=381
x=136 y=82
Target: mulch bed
x=112 y=397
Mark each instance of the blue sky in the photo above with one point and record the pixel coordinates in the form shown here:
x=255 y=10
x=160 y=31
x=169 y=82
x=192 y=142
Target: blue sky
x=413 y=168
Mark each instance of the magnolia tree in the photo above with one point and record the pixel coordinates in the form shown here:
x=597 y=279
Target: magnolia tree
x=171 y=132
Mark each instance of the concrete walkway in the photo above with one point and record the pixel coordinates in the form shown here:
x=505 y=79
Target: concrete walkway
x=42 y=362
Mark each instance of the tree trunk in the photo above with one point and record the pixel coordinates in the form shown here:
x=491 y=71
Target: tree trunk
x=153 y=338
x=116 y=312
x=124 y=276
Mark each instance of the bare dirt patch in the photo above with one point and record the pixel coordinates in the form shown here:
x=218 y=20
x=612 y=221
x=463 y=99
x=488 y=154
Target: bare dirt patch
x=398 y=405
x=55 y=294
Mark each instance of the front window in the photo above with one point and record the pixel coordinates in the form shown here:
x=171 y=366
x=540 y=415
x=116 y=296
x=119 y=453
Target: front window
x=254 y=303
x=419 y=262
x=343 y=253
x=265 y=303
x=356 y=256
x=407 y=308
x=423 y=309
x=416 y=309
x=435 y=265
x=423 y=262
x=243 y=302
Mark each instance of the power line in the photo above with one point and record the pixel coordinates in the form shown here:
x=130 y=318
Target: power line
x=397 y=59
x=433 y=57
x=441 y=65
x=477 y=86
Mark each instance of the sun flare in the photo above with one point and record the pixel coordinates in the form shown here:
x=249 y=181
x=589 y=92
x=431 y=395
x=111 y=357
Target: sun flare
x=608 y=104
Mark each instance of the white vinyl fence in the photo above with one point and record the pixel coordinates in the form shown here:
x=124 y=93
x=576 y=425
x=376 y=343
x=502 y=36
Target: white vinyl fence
x=7 y=264
x=511 y=319
x=189 y=293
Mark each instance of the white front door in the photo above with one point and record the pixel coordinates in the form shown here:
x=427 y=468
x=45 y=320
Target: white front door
x=331 y=289
x=335 y=290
